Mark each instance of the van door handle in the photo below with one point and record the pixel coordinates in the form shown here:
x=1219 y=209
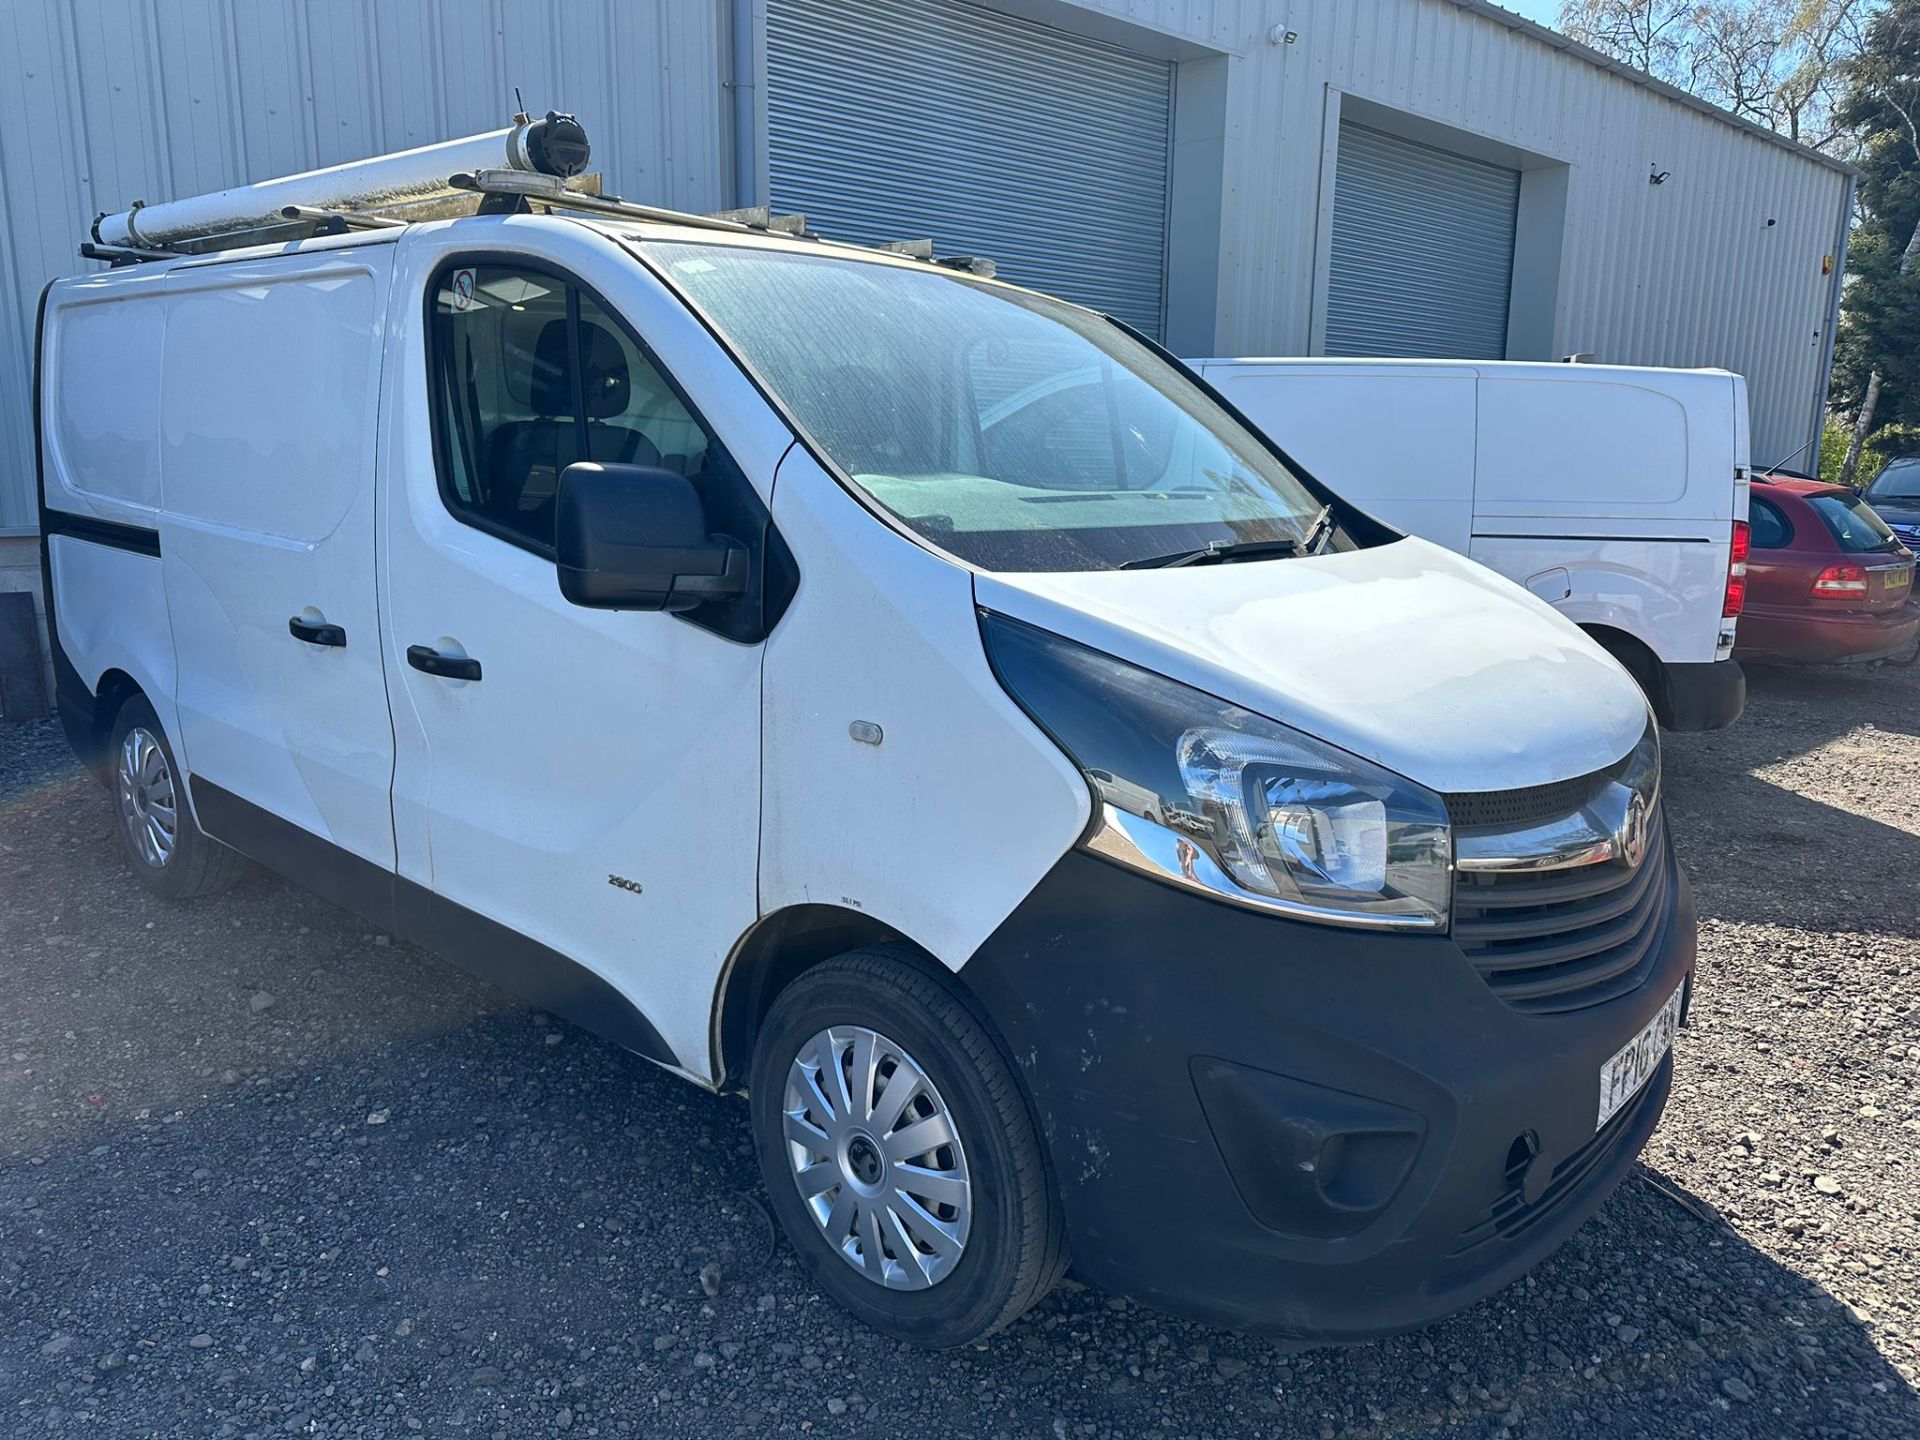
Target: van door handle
x=316 y=632
x=452 y=667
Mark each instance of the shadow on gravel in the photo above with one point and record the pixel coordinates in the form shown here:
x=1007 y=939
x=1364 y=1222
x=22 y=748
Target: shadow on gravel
x=1762 y=851
x=1827 y=700
x=1779 y=857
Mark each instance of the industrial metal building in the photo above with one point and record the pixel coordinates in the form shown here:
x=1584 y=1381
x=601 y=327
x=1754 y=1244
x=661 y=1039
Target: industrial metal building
x=1273 y=177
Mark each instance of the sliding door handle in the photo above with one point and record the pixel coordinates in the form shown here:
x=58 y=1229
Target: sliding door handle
x=316 y=632
x=451 y=667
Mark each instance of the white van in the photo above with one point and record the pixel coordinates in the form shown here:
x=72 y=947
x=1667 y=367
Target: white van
x=1618 y=494
x=1069 y=851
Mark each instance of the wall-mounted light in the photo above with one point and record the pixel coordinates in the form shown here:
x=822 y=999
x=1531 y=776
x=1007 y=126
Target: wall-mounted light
x=1658 y=177
x=1281 y=35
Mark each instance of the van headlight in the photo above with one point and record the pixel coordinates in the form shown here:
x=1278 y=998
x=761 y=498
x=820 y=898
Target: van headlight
x=1208 y=796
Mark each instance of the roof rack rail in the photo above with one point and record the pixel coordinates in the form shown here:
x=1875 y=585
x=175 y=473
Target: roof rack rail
x=519 y=186
x=761 y=217
x=339 y=222
x=118 y=255
x=544 y=161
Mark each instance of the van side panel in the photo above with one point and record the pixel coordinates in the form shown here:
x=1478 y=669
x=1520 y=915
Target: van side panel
x=103 y=397
x=100 y=422
x=1398 y=442
x=946 y=823
x=1666 y=594
x=111 y=612
x=269 y=386
x=1576 y=447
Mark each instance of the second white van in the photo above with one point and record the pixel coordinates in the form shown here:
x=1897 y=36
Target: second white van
x=1618 y=494
x=1077 y=830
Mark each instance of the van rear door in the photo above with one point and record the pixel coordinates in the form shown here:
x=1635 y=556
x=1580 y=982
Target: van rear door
x=269 y=396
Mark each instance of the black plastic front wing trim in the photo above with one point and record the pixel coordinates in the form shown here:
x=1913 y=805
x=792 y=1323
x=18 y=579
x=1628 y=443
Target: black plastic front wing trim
x=484 y=948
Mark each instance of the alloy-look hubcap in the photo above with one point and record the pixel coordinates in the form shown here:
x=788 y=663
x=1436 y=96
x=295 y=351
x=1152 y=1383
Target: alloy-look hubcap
x=877 y=1158
x=147 y=805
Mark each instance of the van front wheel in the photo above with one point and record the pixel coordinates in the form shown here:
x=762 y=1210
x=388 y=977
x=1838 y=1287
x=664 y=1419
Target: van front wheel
x=899 y=1151
x=169 y=853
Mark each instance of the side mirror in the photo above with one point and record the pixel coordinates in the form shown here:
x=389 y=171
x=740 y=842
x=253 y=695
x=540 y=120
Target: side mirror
x=633 y=537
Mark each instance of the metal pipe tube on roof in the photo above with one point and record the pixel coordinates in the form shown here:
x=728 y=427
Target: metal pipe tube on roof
x=555 y=145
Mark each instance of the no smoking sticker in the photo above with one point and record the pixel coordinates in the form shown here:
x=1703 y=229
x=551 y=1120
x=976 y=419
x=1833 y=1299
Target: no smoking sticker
x=462 y=288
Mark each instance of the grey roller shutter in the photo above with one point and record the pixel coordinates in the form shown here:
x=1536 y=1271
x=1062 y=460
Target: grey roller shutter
x=988 y=134
x=1422 y=261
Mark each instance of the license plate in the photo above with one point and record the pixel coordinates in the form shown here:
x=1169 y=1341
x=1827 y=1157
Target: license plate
x=1622 y=1077
x=1899 y=579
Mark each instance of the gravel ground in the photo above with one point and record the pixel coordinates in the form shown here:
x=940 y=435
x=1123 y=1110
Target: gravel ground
x=263 y=1173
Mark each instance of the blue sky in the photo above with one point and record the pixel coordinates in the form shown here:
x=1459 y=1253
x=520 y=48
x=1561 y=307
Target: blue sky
x=1546 y=12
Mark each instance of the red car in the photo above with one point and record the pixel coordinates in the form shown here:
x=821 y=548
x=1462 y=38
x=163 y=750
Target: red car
x=1827 y=581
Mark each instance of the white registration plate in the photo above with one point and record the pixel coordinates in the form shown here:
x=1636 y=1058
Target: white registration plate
x=1623 y=1075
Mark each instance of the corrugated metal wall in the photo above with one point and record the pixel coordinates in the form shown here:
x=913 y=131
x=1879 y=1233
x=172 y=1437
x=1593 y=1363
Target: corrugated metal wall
x=1684 y=273
x=109 y=101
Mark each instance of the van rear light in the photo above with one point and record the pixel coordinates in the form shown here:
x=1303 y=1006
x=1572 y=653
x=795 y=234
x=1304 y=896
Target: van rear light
x=1841 y=581
x=1736 y=600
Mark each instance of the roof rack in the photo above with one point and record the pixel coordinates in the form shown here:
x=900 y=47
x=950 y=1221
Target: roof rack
x=544 y=164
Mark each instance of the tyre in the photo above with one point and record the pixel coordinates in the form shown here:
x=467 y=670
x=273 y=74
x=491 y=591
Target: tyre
x=900 y=1153
x=168 y=851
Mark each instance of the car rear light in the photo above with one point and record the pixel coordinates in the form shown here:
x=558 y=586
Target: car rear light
x=1736 y=600
x=1841 y=581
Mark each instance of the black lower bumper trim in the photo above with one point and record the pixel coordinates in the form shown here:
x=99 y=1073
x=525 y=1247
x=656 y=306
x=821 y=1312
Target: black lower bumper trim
x=1327 y=1133
x=1707 y=696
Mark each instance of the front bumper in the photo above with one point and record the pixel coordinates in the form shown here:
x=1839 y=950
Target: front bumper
x=1806 y=637
x=1327 y=1133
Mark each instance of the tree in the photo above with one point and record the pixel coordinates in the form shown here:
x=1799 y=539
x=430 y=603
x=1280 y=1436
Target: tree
x=1774 y=62
x=1649 y=35
x=1879 y=344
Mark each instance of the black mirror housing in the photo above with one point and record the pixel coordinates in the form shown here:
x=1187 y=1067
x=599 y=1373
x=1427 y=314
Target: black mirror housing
x=635 y=537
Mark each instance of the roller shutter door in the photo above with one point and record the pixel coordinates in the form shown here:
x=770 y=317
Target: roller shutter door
x=1422 y=260
x=988 y=134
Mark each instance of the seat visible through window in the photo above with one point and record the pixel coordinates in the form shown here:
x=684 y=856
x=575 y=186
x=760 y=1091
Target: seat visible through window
x=532 y=375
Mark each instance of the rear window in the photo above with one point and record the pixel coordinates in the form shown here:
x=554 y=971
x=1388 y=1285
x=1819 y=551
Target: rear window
x=1852 y=522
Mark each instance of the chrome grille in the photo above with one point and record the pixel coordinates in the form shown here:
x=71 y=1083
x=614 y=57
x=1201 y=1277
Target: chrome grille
x=1551 y=941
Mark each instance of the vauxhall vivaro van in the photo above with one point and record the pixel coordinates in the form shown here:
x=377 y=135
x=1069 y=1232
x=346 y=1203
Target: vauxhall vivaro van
x=917 y=703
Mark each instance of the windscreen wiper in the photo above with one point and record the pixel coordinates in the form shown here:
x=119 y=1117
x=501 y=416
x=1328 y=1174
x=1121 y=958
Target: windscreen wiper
x=1311 y=543
x=1319 y=532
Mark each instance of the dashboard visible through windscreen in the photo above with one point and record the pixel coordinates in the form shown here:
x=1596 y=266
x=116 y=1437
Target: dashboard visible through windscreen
x=1012 y=431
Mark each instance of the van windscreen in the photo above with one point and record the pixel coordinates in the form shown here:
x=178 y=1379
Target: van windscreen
x=1008 y=429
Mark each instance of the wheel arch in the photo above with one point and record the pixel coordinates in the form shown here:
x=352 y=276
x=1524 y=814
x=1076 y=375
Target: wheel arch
x=114 y=689
x=776 y=951
x=1639 y=661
